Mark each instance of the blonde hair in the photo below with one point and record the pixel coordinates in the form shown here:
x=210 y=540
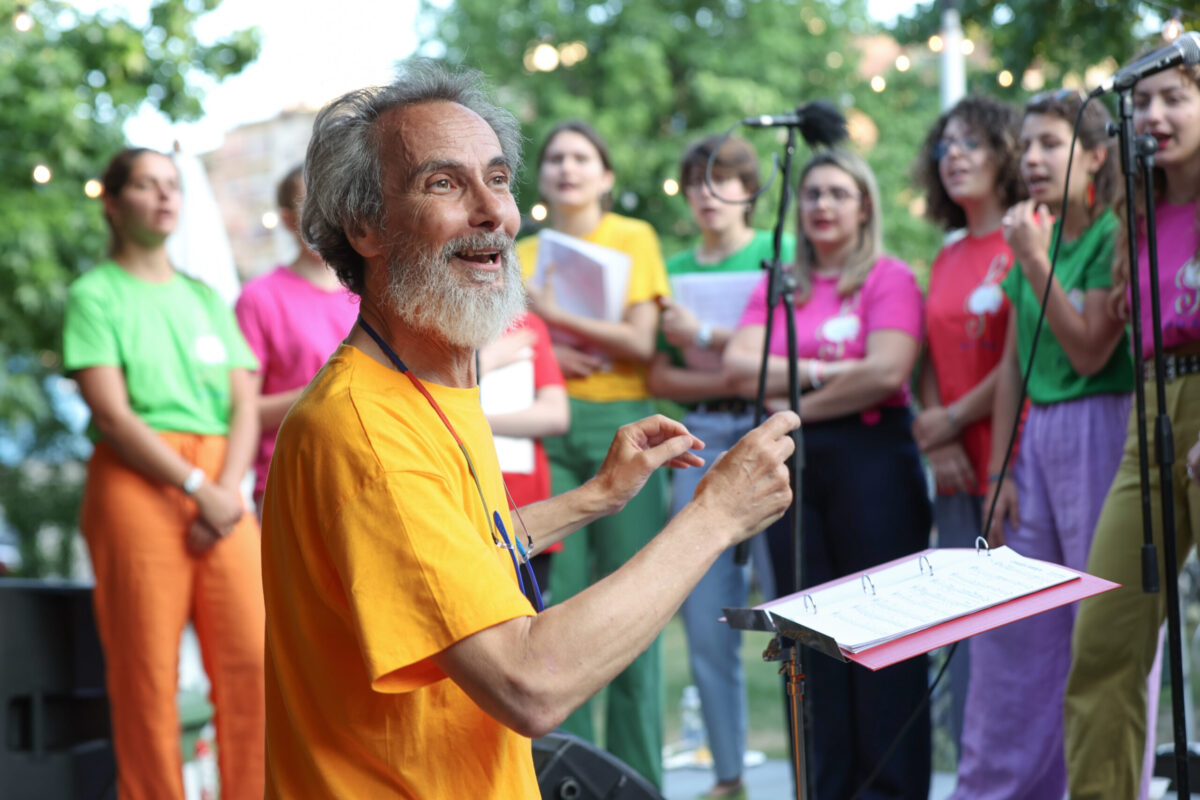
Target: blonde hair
x=870 y=234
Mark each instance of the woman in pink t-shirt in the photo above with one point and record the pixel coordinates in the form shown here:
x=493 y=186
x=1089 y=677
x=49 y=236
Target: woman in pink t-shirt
x=1116 y=633
x=864 y=501
x=293 y=318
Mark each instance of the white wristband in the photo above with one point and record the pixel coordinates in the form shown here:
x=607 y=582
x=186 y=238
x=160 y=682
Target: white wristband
x=193 y=482
x=704 y=336
x=813 y=377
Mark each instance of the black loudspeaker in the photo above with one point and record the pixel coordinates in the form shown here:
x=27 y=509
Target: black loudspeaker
x=568 y=768
x=1164 y=763
x=56 y=741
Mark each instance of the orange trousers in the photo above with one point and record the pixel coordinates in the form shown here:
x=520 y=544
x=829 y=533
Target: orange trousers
x=147 y=588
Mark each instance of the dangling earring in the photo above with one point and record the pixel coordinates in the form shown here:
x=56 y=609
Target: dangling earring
x=1091 y=190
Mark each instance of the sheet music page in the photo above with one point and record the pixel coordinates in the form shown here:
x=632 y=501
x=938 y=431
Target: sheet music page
x=588 y=279
x=718 y=298
x=502 y=391
x=905 y=598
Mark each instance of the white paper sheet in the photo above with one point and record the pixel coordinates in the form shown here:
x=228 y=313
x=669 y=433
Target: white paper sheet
x=502 y=391
x=588 y=279
x=895 y=602
x=718 y=298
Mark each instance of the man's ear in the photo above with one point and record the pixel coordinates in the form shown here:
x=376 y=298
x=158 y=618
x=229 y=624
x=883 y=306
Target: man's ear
x=367 y=240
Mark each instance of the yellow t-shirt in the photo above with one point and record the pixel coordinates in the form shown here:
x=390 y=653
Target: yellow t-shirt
x=626 y=380
x=377 y=554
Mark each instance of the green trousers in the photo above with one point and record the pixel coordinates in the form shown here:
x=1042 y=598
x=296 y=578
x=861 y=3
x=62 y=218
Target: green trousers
x=634 y=713
x=1116 y=633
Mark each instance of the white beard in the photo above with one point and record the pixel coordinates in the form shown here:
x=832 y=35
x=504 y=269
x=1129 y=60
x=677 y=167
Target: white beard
x=466 y=308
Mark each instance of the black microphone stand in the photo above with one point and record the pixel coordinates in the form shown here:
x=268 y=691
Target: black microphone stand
x=1138 y=153
x=781 y=285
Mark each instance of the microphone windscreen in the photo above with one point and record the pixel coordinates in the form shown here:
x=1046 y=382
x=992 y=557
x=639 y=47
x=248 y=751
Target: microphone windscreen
x=1189 y=45
x=822 y=123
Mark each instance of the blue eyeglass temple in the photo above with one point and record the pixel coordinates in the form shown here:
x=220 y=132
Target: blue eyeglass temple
x=513 y=552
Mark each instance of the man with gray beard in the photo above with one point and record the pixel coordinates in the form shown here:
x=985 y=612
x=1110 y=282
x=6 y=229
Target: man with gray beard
x=403 y=659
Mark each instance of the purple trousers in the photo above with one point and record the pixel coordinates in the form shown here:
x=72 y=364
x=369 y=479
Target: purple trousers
x=1012 y=740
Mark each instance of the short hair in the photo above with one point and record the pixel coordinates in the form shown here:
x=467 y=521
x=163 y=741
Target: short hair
x=870 y=235
x=593 y=137
x=1093 y=132
x=291 y=189
x=999 y=125
x=342 y=166
x=734 y=156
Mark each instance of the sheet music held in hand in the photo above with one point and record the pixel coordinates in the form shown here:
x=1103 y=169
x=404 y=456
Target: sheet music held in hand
x=588 y=279
x=718 y=298
x=502 y=391
x=916 y=594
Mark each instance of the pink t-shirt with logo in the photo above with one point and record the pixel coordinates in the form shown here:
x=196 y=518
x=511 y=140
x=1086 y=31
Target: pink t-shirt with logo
x=293 y=327
x=1178 y=277
x=831 y=327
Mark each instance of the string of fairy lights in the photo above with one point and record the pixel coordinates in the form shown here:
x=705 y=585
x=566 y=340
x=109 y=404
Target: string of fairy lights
x=546 y=57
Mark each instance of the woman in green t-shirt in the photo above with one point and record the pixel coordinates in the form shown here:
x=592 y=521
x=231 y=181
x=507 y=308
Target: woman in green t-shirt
x=167 y=376
x=1079 y=378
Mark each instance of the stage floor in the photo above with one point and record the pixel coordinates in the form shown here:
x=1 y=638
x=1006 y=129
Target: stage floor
x=768 y=781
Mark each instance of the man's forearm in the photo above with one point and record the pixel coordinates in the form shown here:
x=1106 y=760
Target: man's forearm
x=553 y=520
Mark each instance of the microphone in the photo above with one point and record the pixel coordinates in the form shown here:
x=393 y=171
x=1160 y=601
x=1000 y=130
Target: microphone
x=819 y=122
x=1183 y=51
x=774 y=120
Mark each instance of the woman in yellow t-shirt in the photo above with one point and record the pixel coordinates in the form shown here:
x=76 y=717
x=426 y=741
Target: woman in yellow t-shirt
x=604 y=364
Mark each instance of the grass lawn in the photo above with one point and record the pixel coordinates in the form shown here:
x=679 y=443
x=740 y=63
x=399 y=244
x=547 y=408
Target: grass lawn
x=764 y=688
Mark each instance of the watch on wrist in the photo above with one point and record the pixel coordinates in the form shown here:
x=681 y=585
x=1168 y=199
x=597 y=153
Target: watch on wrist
x=193 y=482
x=704 y=336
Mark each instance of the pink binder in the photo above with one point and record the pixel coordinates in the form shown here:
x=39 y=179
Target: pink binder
x=914 y=644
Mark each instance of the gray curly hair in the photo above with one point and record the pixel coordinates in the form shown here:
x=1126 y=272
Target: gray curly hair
x=341 y=168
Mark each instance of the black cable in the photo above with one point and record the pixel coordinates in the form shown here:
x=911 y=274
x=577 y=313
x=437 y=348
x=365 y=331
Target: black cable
x=908 y=723
x=1037 y=331
x=1012 y=437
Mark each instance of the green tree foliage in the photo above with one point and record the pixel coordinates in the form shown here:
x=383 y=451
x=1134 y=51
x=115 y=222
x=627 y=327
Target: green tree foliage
x=1063 y=38
x=659 y=75
x=67 y=86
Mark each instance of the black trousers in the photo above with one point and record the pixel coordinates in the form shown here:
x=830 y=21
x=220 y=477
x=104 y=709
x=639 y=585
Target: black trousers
x=864 y=502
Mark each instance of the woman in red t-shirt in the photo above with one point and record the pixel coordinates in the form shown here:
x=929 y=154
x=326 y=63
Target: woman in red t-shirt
x=969 y=167
x=527 y=339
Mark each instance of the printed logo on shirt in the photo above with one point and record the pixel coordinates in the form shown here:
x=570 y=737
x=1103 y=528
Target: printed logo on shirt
x=210 y=349
x=987 y=298
x=1187 y=280
x=843 y=327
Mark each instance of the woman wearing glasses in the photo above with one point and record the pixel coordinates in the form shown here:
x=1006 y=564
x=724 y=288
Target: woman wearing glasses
x=968 y=167
x=1079 y=380
x=688 y=370
x=864 y=502
x=1116 y=632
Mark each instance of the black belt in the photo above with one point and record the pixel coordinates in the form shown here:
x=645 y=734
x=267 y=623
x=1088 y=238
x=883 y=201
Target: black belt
x=726 y=405
x=1174 y=366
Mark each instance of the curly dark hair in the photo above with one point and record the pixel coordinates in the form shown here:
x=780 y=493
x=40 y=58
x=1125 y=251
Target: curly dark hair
x=999 y=125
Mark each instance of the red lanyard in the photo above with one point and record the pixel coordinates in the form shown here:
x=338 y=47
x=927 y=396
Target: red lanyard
x=513 y=546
